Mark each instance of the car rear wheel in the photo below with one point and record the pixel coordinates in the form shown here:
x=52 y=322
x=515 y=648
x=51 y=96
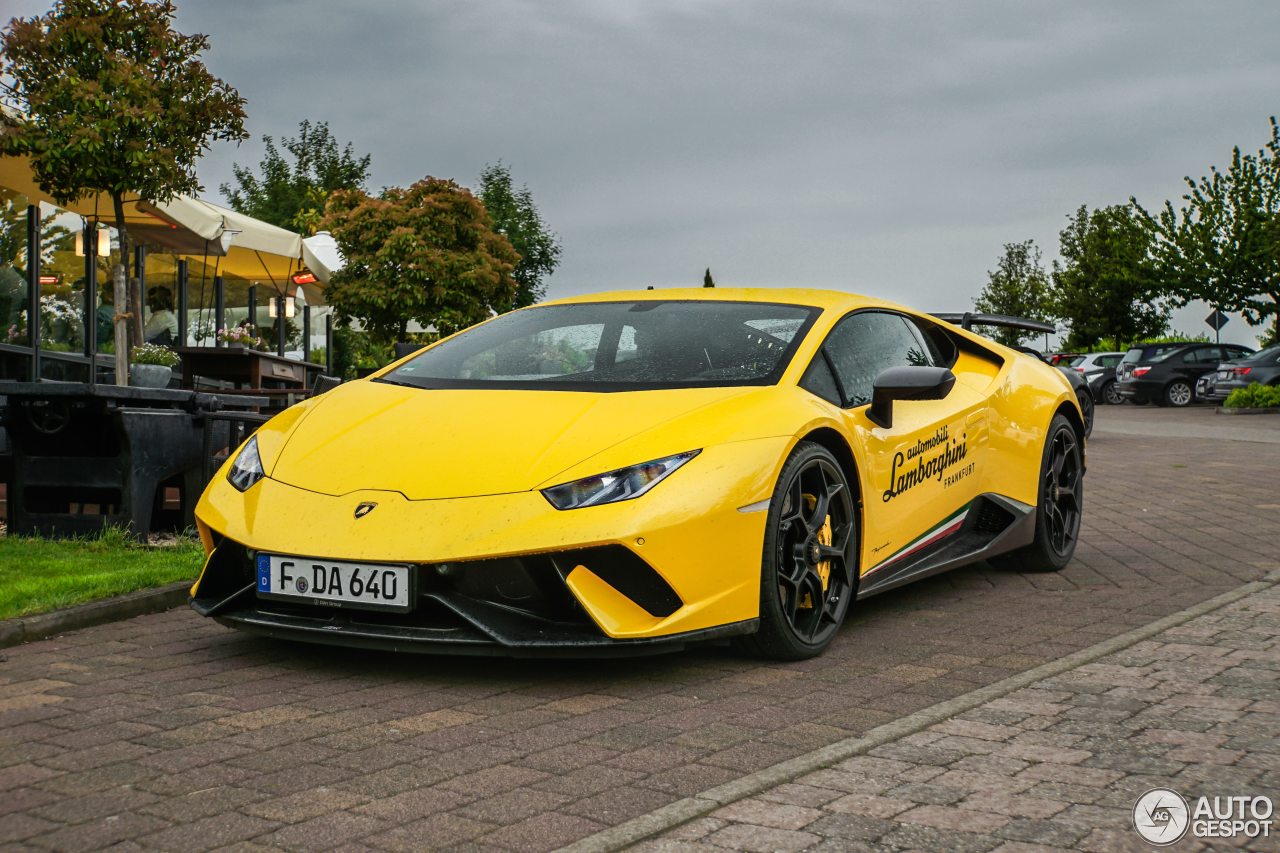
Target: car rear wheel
x=1111 y=394
x=1085 y=399
x=1178 y=394
x=809 y=567
x=1061 y=504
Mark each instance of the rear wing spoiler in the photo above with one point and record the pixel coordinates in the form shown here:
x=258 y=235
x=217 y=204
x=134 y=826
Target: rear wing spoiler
x=967 y=320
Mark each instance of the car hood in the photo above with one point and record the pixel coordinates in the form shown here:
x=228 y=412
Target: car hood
x=429 y=444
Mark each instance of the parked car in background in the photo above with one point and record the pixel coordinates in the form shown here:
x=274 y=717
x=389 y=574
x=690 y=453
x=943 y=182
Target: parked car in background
x=1099 y=370
x=1262 y=367
x=1168 y=377
x=1059 y=359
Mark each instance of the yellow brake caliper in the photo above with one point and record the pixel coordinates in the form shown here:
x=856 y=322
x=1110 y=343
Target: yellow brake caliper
x=824 y=566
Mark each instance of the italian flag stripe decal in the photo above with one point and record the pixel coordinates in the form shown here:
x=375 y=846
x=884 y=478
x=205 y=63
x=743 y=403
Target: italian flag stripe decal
x=948 y=526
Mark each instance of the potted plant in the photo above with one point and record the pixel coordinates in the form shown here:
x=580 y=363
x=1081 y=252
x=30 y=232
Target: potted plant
x=241 y=336
x=151 y=365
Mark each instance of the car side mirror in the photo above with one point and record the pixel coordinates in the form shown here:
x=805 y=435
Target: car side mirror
x=906 y=383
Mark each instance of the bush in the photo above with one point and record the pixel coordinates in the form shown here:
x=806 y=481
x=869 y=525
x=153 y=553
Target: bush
x=154 y=354
x=1254 y=396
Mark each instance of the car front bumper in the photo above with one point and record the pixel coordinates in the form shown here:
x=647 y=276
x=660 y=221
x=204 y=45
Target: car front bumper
x=509 y=574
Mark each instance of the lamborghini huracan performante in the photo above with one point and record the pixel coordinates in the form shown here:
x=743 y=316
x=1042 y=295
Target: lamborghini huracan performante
x=637 y=471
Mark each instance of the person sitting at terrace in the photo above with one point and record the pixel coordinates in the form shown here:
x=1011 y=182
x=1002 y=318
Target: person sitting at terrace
x=162 y=325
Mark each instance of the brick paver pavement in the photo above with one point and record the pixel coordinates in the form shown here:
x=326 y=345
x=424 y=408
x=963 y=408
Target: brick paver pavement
x=1055 y=766
x=171 y=731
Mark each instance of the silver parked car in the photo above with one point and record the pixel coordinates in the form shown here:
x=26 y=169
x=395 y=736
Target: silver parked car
x=1099 y=370
x=1262 y=367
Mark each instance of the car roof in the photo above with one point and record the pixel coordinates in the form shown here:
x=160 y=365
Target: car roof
x=784 y=295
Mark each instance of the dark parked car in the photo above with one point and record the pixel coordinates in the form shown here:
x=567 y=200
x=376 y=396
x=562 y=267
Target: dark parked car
x=1262 y=367
x=1166 y=374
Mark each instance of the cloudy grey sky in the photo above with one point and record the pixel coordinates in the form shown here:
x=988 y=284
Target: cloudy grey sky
x=883 y=148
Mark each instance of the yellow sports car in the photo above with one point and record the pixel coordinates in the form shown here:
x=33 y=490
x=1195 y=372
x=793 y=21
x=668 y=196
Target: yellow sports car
x=636 y=471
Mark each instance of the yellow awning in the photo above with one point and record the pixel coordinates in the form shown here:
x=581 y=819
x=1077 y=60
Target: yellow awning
x=239 y=245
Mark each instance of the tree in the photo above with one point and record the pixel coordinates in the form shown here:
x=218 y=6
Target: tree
x=1107 y=286
x=426 y=253
x=1221 y=246
x=707 y=280
x=513 y=214
x=1017 y=287
x=293 y=196
x=116 y=102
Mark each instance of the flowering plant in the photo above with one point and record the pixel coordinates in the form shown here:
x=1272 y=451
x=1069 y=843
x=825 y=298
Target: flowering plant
x=154 y=354
x=241 y=334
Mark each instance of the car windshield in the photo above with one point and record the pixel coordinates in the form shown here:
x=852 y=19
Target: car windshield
x=617 y=346
x=1132 y=355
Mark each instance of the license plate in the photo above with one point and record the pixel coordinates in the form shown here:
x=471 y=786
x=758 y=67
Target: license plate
x=331 y=582
x=1224 y=374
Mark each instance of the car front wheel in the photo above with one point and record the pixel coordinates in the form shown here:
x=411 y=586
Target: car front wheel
x=809 y=567
x=1178 y=394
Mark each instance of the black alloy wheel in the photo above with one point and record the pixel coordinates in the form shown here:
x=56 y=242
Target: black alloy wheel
x=1087 y=406
x=1178 y=394
x=1111 y=394
x=809 y=565
x=1062 y=492
x=1061 y=505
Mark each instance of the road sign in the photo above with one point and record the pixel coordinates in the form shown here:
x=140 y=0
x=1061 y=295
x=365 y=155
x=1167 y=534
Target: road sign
x=1217 y=320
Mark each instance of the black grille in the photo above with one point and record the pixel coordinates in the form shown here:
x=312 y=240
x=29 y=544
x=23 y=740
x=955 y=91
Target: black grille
x=991 y=518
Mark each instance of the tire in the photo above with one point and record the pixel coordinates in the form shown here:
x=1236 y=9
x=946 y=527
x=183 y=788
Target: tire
x=1110 y=394
x=1087 y=406
x=810 y=556
x=1060 y=506
x=1178 y=394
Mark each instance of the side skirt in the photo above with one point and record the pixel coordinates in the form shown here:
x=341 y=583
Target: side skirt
x=991 y=524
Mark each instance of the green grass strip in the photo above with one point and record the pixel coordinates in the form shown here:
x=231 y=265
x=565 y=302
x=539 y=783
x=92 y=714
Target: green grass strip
x=39 y=575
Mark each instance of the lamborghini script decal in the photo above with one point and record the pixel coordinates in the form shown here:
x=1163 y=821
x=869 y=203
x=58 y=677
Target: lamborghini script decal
x=919 y=463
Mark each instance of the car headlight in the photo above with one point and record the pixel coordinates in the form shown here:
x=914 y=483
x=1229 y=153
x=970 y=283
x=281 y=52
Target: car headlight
x=247 y=468
x=620 y=485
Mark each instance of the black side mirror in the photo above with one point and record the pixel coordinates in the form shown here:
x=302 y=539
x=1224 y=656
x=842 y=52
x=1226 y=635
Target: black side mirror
x=906 y=383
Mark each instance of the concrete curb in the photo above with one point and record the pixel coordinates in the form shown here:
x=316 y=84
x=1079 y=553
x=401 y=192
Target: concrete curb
x=25 y=629
x=1270 y=410
x=687 y=809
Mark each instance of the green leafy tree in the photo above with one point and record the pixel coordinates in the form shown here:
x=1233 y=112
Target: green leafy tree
x=114 y=101
x=426 y=253
x=293 y=195
x=1017 y=287
x=1107 y=286
x=1220 y=245
x=707 y=280
x=513 y=214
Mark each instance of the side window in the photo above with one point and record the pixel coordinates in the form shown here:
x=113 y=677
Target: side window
x=1200 y=354
x=819 y=381
x=1109 y=360
x=864 y=344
